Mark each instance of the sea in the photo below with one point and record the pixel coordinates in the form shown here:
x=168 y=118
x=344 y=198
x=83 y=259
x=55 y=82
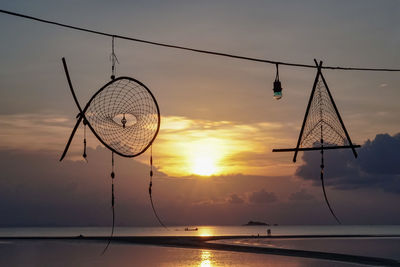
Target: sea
x=278 y=230
x=383 y=242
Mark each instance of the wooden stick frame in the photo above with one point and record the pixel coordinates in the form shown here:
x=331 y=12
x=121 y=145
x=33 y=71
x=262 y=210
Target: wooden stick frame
x=297 y=148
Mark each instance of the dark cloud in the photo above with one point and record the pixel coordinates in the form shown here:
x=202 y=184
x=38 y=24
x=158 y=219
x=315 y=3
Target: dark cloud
x=377 y=166
x=301 y=195
x=262 y=196
x=235 y=199
x=38 y=190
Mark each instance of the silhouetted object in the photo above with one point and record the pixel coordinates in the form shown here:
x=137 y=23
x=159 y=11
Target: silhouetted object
x=102 y=113
x=255 y=223
x=191 y=229
x=269 y=232
x=322 y=127
x=277 y=85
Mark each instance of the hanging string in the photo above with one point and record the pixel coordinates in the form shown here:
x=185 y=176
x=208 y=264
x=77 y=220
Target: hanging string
x=113 y=58
x=112 y=203
x=150 y=187
x=322 y=178
x=189 y=48
x=84 y=140
x=277 y=73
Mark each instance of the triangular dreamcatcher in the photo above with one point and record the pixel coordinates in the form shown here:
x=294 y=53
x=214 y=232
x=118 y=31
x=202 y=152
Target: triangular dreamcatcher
x=124 y=116
x=322 y=128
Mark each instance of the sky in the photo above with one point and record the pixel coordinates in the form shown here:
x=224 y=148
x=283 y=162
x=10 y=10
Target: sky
x=213 y=156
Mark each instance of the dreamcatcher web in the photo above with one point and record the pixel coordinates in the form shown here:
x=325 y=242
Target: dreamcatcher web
x=322 y=121
x=126 y=102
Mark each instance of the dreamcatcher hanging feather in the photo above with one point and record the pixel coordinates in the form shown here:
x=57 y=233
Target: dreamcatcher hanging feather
x=322 y=128
x=125 y=118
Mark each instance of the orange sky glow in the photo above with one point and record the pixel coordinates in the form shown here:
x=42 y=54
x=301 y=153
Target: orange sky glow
x=183 y=147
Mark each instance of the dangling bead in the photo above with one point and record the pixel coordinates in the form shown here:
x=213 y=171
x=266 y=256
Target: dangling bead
x=151 y=161
x=123 y=121
x=112 y=165
x=151 y=169
x=84 y=140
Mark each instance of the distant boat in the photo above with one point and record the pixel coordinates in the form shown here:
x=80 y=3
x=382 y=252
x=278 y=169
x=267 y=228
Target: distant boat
x=191 y=229
x=251 y=223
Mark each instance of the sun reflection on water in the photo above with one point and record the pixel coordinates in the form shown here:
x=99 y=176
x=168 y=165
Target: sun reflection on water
x=206 y=259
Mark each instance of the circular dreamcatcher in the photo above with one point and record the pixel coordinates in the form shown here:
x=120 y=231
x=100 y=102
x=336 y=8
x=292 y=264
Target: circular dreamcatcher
x=124 y=116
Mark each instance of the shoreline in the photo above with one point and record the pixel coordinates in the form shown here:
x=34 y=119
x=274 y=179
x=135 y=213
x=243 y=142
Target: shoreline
x=201 y=242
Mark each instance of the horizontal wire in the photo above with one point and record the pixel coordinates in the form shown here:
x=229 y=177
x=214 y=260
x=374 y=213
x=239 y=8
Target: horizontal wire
x=189 y=48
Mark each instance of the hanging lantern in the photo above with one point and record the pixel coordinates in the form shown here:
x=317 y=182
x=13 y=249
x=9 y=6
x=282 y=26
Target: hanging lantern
x=277 y=85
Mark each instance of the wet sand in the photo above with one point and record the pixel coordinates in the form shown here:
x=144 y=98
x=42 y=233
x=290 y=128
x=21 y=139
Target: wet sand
x=203 y=243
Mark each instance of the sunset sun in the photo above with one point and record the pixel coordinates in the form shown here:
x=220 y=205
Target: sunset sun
x=204 y=157
x=203 y=165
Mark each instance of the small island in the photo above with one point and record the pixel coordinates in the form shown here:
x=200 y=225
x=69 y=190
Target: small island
x=255 y=223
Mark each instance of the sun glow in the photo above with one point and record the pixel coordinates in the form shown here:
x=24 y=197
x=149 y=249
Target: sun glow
x=204 y=156
x=203 y=165
x=206 y=148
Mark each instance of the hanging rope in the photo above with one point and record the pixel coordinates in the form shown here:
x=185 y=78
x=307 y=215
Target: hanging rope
x=150 y=187
x=112 y=203
x=277 y=73
x=323 y=186
x=322 y=159
x=189 y=48
x=113 y=58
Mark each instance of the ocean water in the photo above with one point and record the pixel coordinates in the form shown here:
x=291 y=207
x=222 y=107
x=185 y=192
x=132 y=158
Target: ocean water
x=205 y=230
x=76 y=254
x=87 y=253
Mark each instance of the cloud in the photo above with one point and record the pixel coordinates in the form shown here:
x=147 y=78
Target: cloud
x=183 y=146
x=34 y=131
x=235 y=199
x=377 y=166
x=301 y=195
x=262 y=197
x=38 y=190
